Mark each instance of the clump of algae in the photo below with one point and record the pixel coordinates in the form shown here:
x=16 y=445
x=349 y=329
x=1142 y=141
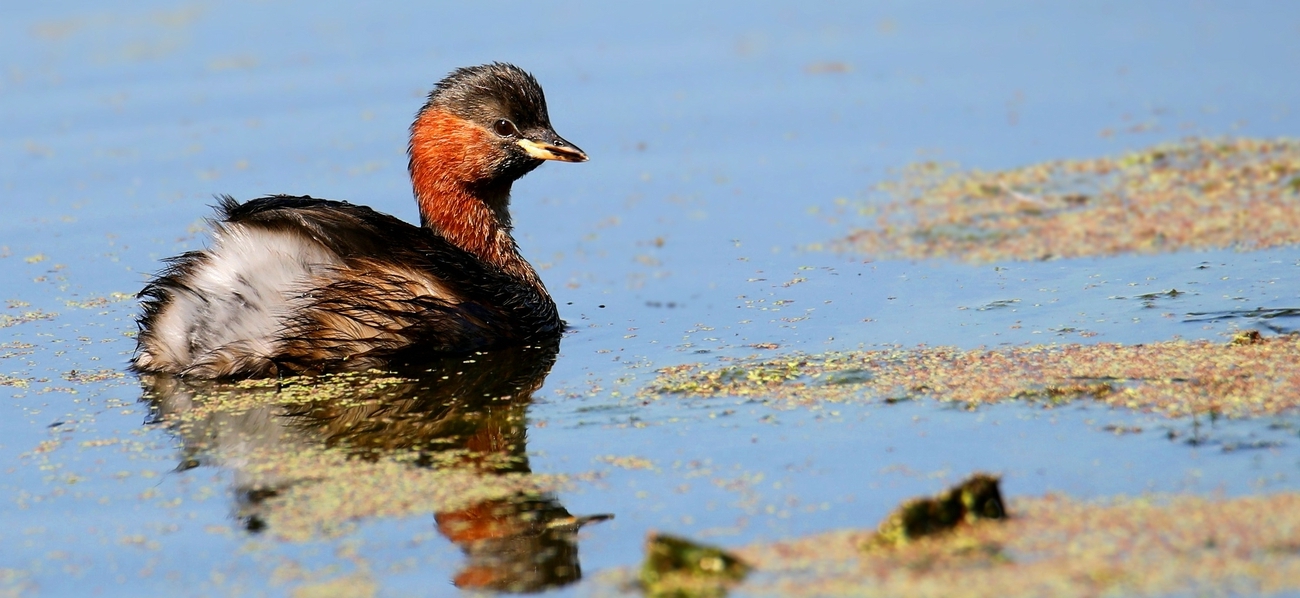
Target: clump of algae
x=1249 y=376
x=974 y=499
x=682 y=568
x=1193 y=194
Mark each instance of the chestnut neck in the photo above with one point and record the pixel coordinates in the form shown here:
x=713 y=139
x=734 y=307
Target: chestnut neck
x=448 y=160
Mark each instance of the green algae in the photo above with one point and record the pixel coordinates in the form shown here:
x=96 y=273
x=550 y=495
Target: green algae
x=1249 y=376
x=680 y=568
x=25 y=317
x=975 y=499
x=1193 y=194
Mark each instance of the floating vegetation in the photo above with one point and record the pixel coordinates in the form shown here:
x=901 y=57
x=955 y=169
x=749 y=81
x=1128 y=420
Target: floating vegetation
x=14 y=381
x=681 y=568
x=1251 y=375
x=88 y=377
x=975 y=499
x=1193 y=194
x=1247 y=337
x=30 y=316
x=97 y=302
x=1056 y=546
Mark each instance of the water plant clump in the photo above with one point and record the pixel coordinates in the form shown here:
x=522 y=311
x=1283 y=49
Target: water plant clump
x=678 y=567
x=976 y=498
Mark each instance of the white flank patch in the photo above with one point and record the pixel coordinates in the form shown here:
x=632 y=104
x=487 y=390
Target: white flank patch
x=241 y=293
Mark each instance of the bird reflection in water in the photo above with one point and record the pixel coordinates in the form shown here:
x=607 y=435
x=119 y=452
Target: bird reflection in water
x=464 y=415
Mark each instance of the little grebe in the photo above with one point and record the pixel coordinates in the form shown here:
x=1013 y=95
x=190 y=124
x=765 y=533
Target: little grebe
x=297 y=284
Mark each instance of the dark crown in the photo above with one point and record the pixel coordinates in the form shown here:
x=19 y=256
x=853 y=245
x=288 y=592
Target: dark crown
x=488 y=92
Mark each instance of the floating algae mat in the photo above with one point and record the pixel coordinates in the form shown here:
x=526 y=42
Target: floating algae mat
x=1056 y=546
x=1194 y=194
x=1251 y=375
x=1051 y=545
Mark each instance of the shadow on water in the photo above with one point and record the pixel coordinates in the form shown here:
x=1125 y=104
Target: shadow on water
x=462 y=414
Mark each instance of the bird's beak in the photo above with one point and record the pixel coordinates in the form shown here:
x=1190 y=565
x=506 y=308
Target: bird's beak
x=555 y=149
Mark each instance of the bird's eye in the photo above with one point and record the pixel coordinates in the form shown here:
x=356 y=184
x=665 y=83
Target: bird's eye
x=505 y=128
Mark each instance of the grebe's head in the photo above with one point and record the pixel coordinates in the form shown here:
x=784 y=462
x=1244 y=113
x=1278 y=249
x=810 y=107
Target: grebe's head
x=484 y=125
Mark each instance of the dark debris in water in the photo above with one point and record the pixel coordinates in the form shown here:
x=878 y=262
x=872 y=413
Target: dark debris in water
x=1149 y=299
x=999 y=304
x=682 y=568
x=975 y=499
